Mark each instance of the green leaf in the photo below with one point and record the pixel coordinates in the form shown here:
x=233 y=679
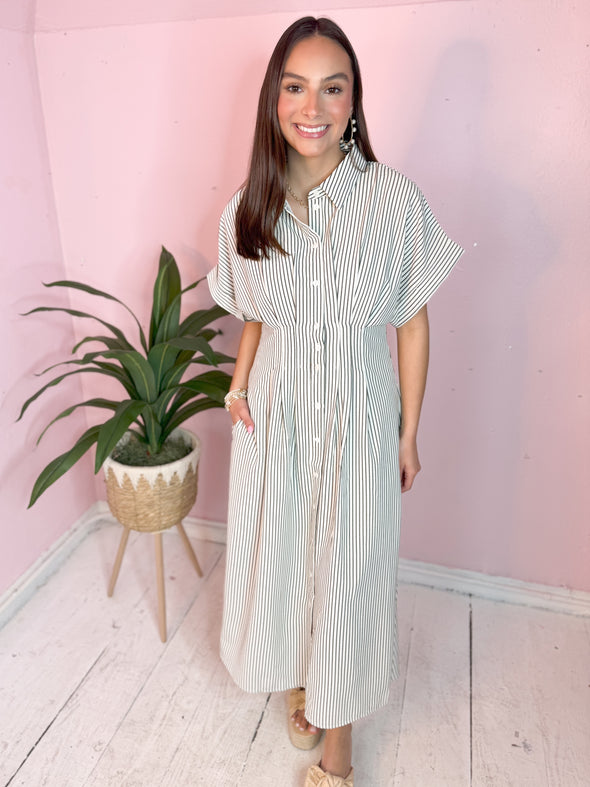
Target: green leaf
x=219 y=358
x=215 y=375
x=62 y=463
x=211 y=389
x=184 y=413
x=209 y=333
x=108 y=341
x=214 y=381
x=119 y=374
x=173 y=390
x=195 y=344
x=162 y=403
x=162 y=358
x=106 y=404
x=193 y=285
x=174 y=375
x=56 y=381
x=140 y=371
x=75 y=313
x=153 y=430
x=166 y=289
x=199 y=319
x=168 y=327
x=76 y=285
x=113 y=430
x=88 y=358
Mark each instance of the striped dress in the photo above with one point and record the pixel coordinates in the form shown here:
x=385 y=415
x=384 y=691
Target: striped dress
x=314 y=502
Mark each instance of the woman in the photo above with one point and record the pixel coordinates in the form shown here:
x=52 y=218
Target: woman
x=317 y=253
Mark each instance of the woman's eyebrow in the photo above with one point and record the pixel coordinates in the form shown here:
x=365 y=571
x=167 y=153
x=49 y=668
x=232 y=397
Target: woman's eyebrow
x=340 y=75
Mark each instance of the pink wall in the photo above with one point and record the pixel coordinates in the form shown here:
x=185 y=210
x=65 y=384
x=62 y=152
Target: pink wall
x=483 y=103
x=67 y=14
x=18 y=15
x=29 y=253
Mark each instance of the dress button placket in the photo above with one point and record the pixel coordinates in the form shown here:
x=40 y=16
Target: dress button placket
x=317 y=353
x=316 y=349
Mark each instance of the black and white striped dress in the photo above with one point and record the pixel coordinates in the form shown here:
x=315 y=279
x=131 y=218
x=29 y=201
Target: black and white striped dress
x=314 y=503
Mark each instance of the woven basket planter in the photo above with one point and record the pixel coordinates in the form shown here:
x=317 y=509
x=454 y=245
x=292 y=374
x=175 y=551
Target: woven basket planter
x=150 y=499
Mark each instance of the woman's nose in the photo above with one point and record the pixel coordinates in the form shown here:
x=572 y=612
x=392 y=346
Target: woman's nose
x=312 y=106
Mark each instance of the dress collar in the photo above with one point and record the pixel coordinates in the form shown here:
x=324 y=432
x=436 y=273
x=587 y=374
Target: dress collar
x=338 y=184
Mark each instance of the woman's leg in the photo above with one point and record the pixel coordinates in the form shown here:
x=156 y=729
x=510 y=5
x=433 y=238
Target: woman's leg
x=337 y=754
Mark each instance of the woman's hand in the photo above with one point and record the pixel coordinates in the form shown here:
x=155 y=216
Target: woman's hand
x=239 y=411
x=412 y=358
x=409 y=464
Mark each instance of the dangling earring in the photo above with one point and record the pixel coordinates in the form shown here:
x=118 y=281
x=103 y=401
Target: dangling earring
x=346 y=144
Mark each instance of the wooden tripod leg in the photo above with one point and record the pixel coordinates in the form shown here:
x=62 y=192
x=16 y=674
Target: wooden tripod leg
x=189 y=549
x=118 y=560
x=161 y=590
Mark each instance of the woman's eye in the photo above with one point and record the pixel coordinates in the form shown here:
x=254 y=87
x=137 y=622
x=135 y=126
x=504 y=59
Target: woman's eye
x=334 y=90
x=293 y=89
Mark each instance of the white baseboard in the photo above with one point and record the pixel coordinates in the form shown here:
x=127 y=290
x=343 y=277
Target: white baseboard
x=511 y=591
x=47 y=564
x=411 y=572
x=206 y=529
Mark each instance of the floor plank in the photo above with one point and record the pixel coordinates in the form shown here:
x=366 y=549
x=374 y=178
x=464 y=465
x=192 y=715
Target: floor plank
x=376 y=738
x=531 y=697
x=271 y=753
x=434 y=746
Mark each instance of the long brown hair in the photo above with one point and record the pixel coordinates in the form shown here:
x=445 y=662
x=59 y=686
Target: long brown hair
x=263 y=196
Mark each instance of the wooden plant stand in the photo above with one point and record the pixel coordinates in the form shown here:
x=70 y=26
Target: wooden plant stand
x=159 y=569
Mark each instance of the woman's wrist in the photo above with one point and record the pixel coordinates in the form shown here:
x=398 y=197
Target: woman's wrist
x=233 y=395
x=408 y=433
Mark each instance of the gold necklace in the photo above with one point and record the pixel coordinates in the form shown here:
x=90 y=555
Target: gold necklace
x=297 y=199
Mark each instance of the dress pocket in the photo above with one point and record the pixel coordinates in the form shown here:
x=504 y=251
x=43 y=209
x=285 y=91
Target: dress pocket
x=243 y=443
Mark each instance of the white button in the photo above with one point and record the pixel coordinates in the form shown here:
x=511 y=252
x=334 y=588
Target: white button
x=316 y=439
x=317 y=405
x=315 y=283
x=318 y=347
x=317 y=367
x=316 y=325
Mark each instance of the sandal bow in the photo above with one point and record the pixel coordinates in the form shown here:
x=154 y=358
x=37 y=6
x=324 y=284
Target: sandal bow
x=318 y=777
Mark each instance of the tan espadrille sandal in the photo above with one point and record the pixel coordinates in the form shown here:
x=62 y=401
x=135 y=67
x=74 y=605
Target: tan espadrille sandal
x=300 y=739
x=317 y=777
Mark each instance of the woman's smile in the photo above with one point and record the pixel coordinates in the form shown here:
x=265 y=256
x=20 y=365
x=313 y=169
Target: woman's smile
x=311 y=131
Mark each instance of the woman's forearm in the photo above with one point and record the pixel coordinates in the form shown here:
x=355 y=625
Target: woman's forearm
x=246 y=353
x=412 y=358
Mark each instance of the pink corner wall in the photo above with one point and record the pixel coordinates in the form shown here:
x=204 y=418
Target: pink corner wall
x=484 y=103
x=29 y=253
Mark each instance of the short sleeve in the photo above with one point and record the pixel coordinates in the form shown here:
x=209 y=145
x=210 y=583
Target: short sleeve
x=221 y=278
x=428 y=257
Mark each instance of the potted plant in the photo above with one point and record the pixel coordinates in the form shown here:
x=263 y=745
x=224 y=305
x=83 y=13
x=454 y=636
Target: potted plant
x=150 y=462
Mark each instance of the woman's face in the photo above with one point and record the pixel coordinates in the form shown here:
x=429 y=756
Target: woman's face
x=315 y=99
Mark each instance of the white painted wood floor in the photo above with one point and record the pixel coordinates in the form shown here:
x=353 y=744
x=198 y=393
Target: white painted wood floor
x=489 y=693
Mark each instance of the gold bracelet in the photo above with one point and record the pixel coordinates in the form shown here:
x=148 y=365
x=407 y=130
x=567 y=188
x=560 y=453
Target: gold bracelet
x=233 y=396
